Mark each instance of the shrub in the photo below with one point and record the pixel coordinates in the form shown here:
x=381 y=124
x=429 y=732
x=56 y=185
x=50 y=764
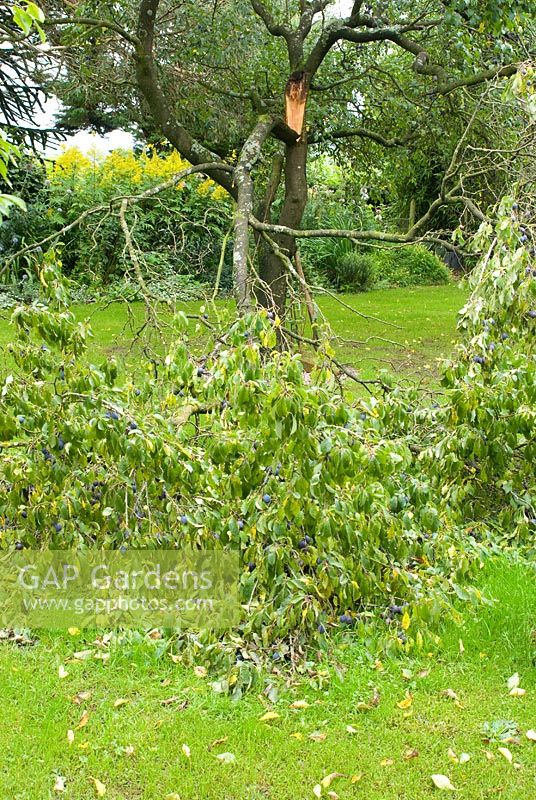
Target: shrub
x=355 y=272
x=410 y=265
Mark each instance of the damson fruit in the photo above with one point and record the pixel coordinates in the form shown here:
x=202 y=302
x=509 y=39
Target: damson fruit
x=307 y=539
x=345 y=619
x=58 y=526
x=251 y=566
x=19 y=546
x=240 y=524
x=184 y=519
x=302 y=544
x=267 y=499
x=321 y=628
x=478 y=359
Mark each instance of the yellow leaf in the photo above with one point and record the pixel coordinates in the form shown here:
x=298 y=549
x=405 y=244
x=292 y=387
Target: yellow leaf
x=410 y=753
x=121 y=701
x=73 y=631
x=452 y=755
x=328 y=779
x=70 y=736
x=200 y=672
x=351 y=729
x=406 y=621
x=173 y=796
x=299 y=704
x=406 y=703
x=442 y=782
x=505 y=752
x=81 y=697
x=517 y=691
x=317 y=790
x=62 y=672
x=461 y=646
x=100 y=788
x=386 y=762
x=316 y=736
x=531 y=735
x=84 y=719
x=297 y=735
x=356 y=778
x=378 y=665
x=269 y=716
x=186 y=750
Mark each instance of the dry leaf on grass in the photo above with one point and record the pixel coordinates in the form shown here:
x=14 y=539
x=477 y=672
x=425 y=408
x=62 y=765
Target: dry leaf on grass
x=100 y=787
x=59 y=784
x=442 y=782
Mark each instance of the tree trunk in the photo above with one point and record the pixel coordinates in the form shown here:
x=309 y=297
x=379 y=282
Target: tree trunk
x=272 y=272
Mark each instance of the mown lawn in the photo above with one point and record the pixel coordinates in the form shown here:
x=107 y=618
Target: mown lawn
x=417 y=328
x=136 y=749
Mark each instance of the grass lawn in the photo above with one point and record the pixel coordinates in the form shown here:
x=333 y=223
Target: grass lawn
x=422 y=329
x=136 y=749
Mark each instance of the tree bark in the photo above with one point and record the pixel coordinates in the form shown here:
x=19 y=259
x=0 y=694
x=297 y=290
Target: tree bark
x=274 y=278
x=244 y=207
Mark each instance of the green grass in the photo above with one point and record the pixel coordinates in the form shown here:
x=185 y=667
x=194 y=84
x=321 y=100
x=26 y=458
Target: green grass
x=278 y=760
x=421 y=329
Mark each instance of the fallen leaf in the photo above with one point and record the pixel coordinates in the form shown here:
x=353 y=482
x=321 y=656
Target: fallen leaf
x=464 y=758
x=217 y=742
x=317 y=736
x=299 y=704
x=461 y=646
x=489 y=755
x=517 y=691
x=62 y=672
x=356 y=778
x=175 y=699
x=186 y=750
x=173 y=796
x=83 y=655
x=154 y=634
x=121 y=701
x=81 y=697
x=407 y=674
x=378 y=665
x=70 y=736
x=269 y=716
x=406 y=702
x=297 y=735
x=406 y=621
x=166 y=682
x=200 y=672
x=423 y=673
x=442 y=782
x=386 y=762
x=513 y=681
x=317 y=790
x=84 y=719
x=328 y=779
x=73 y=631
x=128 y=750
x=452 y=755
x=410 y=753
x=333 y=795
x=226 y=758
x=504 y=751
x=59 y=784
x=100 y=787
x=351 y=729
x=531 y=735
x=450 y=693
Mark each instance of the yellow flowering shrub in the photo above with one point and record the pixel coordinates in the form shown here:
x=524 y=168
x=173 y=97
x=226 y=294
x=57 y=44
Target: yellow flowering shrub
x=70 y=163
x=124 y=167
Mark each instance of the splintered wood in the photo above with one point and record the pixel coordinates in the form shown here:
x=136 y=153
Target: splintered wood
x=295 y=100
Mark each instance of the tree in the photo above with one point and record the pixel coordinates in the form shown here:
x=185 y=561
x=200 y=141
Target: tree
x=213 y=77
